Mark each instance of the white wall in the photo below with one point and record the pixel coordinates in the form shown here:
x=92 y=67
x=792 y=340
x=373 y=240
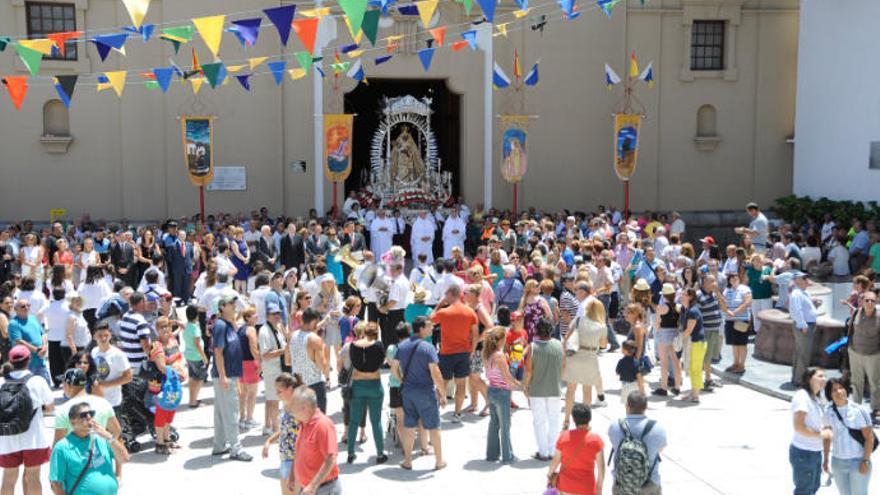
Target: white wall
x=838 y=100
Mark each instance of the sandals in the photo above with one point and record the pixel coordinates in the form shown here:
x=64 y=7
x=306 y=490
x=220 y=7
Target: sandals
x=405 y=466
x=470 y=409
x=484 y=412
x=162 y=449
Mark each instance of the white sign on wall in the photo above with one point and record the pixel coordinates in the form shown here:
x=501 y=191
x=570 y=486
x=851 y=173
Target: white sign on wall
x=229 y=179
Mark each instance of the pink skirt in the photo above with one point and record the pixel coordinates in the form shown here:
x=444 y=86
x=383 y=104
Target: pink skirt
x=249 y=375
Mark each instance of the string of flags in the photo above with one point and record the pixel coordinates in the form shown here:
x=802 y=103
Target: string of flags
x=361 y=18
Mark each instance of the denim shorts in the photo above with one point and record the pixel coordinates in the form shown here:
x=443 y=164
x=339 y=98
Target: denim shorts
x=284 y=469
x=455 y=365
x=420 y=404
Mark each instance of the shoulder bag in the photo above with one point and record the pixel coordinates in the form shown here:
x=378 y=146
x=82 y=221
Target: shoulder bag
x=85 y=468
x=285 y=357
x=855 y=433
x=408 y=362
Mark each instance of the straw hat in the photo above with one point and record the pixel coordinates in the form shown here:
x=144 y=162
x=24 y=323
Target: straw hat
x=420 y=295
x=668 y=289
x=642 y=285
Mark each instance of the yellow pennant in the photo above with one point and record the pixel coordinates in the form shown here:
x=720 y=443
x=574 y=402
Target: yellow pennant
x=355 y=53
x=319 y=13
x=519 y=14
x=117 y=80
x=137 y=9
x=256 y=62
x=103 y=86
x=121 y=50
x=211 y=29
x=356 y=37
x=297 y=73
x=426 y=10
x=43 y=46
x=392 y=39
x=196 y=84
x=502 y=29
x=234 y=69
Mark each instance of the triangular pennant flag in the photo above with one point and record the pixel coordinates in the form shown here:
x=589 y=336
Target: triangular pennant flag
x=426 y=10
x=104 y=43
x=297 y=73
x=137 y=10
x=256 y=61
x=176 y=44
x=60 y=40
x=163 y=77
x=103 y=50
x=339 y=67
x=4 y=41
x=370 y=26
x=31 y=58
x=354 y=11
x=356 y=37
x=348 y=48
x=488 y=7
x=605 y=5
x=499 y=78
x=244 y=80
x=468 y=5
x=116 y=79
x=65 y=86
x=211 y=29
x=213 y=73
x=357 y=72
x=197 y=84
x=633 y=66
x=408 y=10
x=182 y=34
x=648 y=75
x=517 y=68
x=381 y=60
x=471 y=38
x=247 y=30
x=146 y=31
x=151 y=85
x=439 y=34
x=41 y=45
x=458 y=45
x=307 y=30
x=17 y=87
x=502 y=29
x=235 y=69
x=319 y=13
x=531 y=78
x=281 y=18
x=277 y=67
x=195 y=61
x=426 y=55
x=355 y=53
x=304 y=59
x=519 y=14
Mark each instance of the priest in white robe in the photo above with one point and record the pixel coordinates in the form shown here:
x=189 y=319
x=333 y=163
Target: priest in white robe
x=382 y=231
x=422 y=236
x=454 y=231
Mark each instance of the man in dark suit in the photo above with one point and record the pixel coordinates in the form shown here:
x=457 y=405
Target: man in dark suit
x=122 y=257
x=265 y=248
x=317 y=243
x=293 y=254
x=179 y=256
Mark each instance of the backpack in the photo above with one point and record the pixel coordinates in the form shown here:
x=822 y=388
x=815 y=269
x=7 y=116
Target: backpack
x=172 y=392
x=632 y=467
x=114 y=306
x=16 y=406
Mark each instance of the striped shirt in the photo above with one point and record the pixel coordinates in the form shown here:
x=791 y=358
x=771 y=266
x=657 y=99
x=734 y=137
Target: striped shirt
x=132 y=328
x=711 y=310
x=568 y=305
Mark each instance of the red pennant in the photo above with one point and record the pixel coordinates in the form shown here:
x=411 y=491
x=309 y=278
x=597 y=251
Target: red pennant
x=60 y=38
x=391 y=47
x=458 y=45
x=439 y=34
x=148 y=76
x=307 y=30
x=17 y=87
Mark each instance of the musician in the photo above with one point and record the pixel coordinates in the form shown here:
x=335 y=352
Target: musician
x=424 y=277
x=369 y=295
x=350 y=237
x=422 y=236
x=399 y=295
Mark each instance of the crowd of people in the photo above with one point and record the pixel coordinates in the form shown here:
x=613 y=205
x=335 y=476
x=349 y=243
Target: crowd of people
x=451 y=305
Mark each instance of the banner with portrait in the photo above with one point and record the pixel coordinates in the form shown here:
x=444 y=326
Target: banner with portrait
x=626 y=144
x=198 y=148
x=337 y=146
x=514 y=158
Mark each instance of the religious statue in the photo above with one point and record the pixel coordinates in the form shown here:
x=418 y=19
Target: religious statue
x=406 y=160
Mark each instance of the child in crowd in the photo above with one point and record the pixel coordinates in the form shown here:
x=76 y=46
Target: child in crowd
x=194 y=352
x=516 y=348
x=628 y=371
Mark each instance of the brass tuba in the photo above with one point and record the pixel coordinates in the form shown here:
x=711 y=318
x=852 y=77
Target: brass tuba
x=344 y=255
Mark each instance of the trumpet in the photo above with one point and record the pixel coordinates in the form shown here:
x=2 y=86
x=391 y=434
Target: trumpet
x=345 y=256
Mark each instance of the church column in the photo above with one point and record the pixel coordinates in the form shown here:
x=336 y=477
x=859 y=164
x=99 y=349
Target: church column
x=485 y=37
x=318 y=97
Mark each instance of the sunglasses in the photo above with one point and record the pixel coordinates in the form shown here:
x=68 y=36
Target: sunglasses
x=87 y=414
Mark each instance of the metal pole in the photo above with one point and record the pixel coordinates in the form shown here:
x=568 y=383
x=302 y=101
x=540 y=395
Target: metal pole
x=625 y=199
x=485 y=30
x=318 y=99
x=515 y=188
x=202 y=203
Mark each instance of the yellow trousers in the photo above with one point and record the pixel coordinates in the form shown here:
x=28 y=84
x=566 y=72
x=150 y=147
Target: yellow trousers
x=695 y=370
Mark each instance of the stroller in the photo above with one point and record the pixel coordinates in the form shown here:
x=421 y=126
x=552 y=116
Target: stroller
x=134 y=415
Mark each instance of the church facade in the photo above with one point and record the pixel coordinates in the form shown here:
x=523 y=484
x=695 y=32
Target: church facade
x=717 y=132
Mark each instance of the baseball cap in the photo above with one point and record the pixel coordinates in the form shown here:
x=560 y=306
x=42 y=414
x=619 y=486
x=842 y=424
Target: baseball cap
x=75 y=377
x=226 y=299
x=272 y=308
x=19 y=353
x=153 y=296
x=708 y=240
x=798 y=274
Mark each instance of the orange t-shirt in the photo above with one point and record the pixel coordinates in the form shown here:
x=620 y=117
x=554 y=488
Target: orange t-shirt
x=579 y=449
x=456 y=323
x=316 y=441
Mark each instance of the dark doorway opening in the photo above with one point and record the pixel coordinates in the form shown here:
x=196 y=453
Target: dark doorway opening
x=366 y=101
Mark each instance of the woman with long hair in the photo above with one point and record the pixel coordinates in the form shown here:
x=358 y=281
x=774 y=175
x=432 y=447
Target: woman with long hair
x=669 y=314
x=63 y=257
x=850 y=459
x=76 y=335
x=328 y=304
x=501 y=386
x=582 y=367
x=30 y=257
x=694 y=336
x=144 y=252
x=302 y=302
x=533 y=306
x=59 y=280
x=805 y=451
x=86 y=259
x=275 y=360
x=94 y=292
x=249 y=383
x=476 y=385
x=83 y=360
x=285 y=385
x=634 y=314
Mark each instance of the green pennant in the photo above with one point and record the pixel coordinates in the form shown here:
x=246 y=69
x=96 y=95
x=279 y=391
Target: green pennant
x=340 y=67
x=354 y=10
x=151 y=84
x=176 y=45
x=4 y=40
x=305 y=60
x=183 y=34
x=370 y=26
x=31 y=58
x=468 y=4
x=212 y=73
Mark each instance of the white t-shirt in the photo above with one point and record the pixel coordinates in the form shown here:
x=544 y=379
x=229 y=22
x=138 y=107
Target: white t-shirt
x=35 y=438
x=801 y=402
x=94 y=294
x=110 y=365
x=56 y=320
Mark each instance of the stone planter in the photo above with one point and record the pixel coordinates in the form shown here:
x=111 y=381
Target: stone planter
x=775 y=342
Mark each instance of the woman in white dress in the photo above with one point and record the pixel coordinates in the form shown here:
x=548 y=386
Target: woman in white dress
x=84 y=259
x=30 y=257
x=582 y=367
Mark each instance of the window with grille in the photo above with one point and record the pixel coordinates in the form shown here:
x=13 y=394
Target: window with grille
x=47 y=18
x=707 y=45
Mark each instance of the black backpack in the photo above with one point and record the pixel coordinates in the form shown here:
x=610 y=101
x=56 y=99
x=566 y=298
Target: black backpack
x=16 y=407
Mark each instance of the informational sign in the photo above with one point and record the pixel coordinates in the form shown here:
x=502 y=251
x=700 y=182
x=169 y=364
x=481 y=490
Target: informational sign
x=229 y=179
x=57 y=214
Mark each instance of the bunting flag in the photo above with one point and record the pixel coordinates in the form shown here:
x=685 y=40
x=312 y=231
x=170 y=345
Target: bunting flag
x=244 y=80
x=145 y=31
x=458 y=45
x=211 y=30
x=531 y=78
x=31 y=58
x=307 y=30
x=247 y=30
x=17 y=87
x=277 y=67
x=408 y=10
x=381 y=60
x=42 y=45
x=255 y=62
x=151 y=85
x=163 y=77
x=354 y=12
x=105 y=43
x=356 y=72
x=426 y=10
x=426 y=55
x=65 y=85
x=611 y=77
x=214 y=73
x=197 y=84
x=576 y=12
x=499 y=78
x=502 y=29
x=605 y=5
x=116 y=80
x=348 y=48
x=439 y=34
x=355 y=53
x=177 y=36
x=339 y=67
x=60 y=40
x=196 y=66
x=523 y=4
x=297 y=73
x=319 y=13
x=471 y=38
x=648 y=75
x=488 y=7
x=4 y=41
x=468 y=5
x=281 y=18
x=383 y=6
x=519 y=14
x=633 y=66
x=356 y=37
x=517 y=69
x=137 y=10
x=567 y=6
x=370 y=26
x=337 y=146
x=304 y=59
x=234 y=69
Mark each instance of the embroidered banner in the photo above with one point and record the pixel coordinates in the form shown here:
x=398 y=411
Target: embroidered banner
x=198 y=148
x=514 y=158
x=626 y=144
x=337 y=146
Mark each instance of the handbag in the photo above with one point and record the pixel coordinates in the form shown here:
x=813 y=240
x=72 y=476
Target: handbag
x=741 y=326
x=856 y=434
x=285 y=357
x=572 y=343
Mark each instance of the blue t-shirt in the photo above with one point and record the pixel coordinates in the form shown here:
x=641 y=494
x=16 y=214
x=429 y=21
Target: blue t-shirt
x=29 y=331
x=416 y=368
x=281 y=301
x=694 y=313
x=655 y=440
x=226 y=338
x=69 y=457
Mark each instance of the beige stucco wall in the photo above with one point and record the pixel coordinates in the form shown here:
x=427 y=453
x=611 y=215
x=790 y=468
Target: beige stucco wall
x=126 y=160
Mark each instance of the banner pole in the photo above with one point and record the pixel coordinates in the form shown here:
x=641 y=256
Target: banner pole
x=334 y=200
x=515 y=187
x=626 y=200
x=202 y=203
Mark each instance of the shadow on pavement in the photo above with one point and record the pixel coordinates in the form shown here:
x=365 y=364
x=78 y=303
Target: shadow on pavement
x=202 y=443
x=202 y=462
x=482 y=466
x=399 y=474
x=271 y=473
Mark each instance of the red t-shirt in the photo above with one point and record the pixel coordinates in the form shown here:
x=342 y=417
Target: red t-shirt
x=579 y=449
x=483 y=266
x=456 y=323
x=516 y=336
x=316 y=440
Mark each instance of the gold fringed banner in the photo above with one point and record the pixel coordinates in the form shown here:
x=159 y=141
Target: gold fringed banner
x=198 y=148
x=337 y=146
x=626 y=144
x=514 y=158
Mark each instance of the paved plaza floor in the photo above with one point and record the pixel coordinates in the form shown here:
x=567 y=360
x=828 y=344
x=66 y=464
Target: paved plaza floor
x=734 y=443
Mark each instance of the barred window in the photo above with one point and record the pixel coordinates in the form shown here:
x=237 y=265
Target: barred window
x=707 y=45
x=47 y=18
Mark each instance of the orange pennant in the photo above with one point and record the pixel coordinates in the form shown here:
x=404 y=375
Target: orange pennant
x=196 y=65
x=60 y=38
x=439 y=34
x=307 y=30
x=458 y=45
x=391 y=47
x=17 y=87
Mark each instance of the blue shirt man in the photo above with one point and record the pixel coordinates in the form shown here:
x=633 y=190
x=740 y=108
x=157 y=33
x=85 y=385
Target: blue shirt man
x=860 y=243
x=415 y=357
x=26 y=330
x=226 y=340
x=510 y=290
x=654 y=440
